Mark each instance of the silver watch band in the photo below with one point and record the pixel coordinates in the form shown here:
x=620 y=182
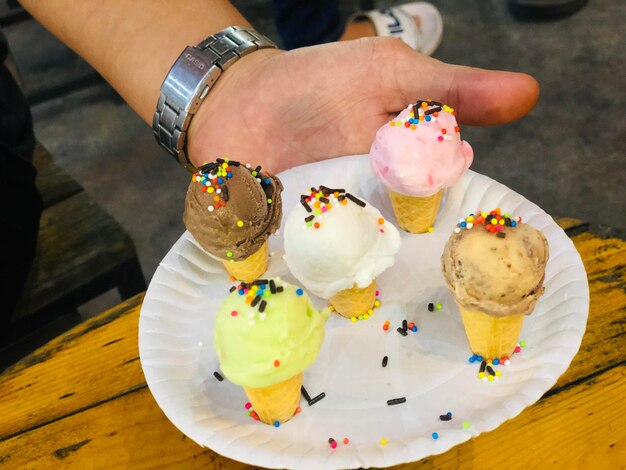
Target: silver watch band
x=189 y=80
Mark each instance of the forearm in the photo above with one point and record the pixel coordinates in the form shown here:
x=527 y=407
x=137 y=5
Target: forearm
x=133 y=44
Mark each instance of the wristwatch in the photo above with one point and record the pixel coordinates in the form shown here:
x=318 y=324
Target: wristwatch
x=191 y=77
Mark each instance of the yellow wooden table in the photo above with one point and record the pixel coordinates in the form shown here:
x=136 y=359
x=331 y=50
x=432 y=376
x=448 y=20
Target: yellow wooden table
x=81 y=401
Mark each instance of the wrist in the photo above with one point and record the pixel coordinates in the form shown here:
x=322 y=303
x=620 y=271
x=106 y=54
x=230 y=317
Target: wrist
x=192 y=77
x=216 y=115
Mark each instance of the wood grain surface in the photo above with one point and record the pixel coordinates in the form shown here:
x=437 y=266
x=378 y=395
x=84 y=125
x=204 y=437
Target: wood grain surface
x=81 y=401
x=78 y=243
x=52 y=182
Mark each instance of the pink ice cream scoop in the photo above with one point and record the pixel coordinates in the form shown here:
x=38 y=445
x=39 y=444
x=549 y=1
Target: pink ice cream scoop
x=420 y=155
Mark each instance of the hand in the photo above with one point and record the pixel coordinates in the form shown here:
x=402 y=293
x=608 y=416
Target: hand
x=282 y=109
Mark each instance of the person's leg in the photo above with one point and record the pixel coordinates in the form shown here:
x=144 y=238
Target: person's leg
x=306 y=23
x=544 y=10
x=21 y=202
x=364 y=28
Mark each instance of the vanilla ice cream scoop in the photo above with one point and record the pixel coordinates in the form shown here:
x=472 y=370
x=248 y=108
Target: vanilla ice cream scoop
x=334 y=240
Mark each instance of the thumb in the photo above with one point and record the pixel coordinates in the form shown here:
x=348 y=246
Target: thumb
x=480 y=97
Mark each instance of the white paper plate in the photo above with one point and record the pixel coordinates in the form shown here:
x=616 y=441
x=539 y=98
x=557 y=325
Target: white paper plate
x=430 y=368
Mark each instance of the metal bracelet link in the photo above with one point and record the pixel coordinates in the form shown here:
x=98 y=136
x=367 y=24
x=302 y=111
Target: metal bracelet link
x=189 y=80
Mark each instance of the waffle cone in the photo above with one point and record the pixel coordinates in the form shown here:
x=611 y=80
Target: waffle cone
x=250 y=268
x=354 y=301
x=415 y=214
x=491 y=337
x=277 y=402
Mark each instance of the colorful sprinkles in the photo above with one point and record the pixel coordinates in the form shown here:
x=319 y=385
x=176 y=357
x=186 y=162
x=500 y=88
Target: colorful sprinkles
x=426 y=111
x=214 y=176
x=257 y=292
x=320 y=201
x=366 y=315
x=493 y=222
x=404 y=329
x=333 y=443
x=254 y=415
x=250 y=412
x=486 y=372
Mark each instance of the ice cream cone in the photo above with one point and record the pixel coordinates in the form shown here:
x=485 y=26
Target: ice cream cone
x=415 y=214
x=491 y=336
x=277 y=402
x=250 y=268
x=354 y=301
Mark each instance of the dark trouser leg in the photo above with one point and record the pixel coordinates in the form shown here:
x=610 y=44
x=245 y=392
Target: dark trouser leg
x=20 y=201
x=303 y=23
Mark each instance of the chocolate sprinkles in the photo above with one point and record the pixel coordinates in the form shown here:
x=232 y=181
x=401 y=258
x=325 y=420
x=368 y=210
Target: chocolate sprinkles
x=428 y=102
x=501 y=235
x=356 y=200
x=225 y=193
x=483 y=365
x=401 y=331
x=255 y=301
x=217 y=375
x=432 y=111
x=208 y=167
x=262 y=306
x=272 y=286
x=306 y=206
x=445 y=417
x=385 y=359
x=309 y=218
x=314 y=400
x=307 y=397
x=232 y=289
x=330 y=190
x=396 y=401
x=490 y=370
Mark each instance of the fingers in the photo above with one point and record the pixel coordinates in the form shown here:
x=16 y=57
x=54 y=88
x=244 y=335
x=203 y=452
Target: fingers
x=486 y=97
x=480 y=97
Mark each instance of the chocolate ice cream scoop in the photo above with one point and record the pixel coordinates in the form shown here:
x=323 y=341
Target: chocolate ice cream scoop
x=232 y=209
x=496 y=268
